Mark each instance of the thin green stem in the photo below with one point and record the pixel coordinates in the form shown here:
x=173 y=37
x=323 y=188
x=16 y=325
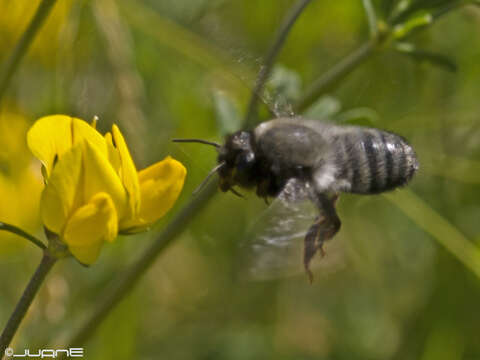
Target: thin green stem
x=271 y=56
x=333 y=77
x=23 y=44
x=371 y=17
x=24 y=303
x=337 y=73
x=17 y=231
x=133 y=273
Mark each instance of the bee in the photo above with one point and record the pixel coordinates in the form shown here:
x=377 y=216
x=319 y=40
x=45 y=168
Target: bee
x=296 y=158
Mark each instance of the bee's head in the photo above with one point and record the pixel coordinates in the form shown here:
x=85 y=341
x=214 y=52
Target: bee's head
x=236 y=160
x=238 y=157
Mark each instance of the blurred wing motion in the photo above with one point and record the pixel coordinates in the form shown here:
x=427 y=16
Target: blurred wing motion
x=273 y=245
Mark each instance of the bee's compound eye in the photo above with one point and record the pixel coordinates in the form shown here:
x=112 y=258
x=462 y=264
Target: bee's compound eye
x=245 y=160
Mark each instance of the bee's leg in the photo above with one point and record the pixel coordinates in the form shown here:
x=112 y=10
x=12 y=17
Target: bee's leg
x=262 y=190
x=323 y=229
x=310 y=247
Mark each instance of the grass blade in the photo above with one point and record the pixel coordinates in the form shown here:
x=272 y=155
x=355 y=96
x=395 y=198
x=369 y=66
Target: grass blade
x=438 y=227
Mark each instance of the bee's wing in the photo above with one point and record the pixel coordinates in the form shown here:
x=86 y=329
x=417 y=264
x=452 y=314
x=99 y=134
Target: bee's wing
x=273 y=244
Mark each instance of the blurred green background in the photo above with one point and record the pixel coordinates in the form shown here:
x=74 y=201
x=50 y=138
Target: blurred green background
x=185 y=68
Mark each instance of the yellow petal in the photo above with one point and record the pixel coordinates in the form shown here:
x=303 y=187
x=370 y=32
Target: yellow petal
x=113 y=155
x=90 y=226
x=81 y=130
x=160 y=186
x=128 y=172
x=51 y=136
x=63 y=191
x=99 y=176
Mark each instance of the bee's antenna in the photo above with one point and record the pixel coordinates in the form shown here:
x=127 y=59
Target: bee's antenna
x=204 y=182
x=198 y=141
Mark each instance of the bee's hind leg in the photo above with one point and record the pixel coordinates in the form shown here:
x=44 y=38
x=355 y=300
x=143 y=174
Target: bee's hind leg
x=323 y=229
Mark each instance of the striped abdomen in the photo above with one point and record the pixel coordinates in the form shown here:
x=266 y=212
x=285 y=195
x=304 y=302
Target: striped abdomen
x=371 y=161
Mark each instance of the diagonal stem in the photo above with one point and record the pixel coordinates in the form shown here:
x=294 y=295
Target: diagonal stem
x=337 y=73
x=24 y=303
x=17 y=231
x=272 y=54
x=371 y=17
x=23 y=44
x=129 y=278
x=333 y=77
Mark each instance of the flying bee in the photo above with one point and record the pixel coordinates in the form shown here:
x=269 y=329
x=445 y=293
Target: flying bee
x=293 y=159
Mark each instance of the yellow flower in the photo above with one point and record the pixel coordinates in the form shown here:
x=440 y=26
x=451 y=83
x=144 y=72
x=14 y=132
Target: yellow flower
x=93 y=190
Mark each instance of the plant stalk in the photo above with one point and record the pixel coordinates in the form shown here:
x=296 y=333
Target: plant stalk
x=17 y=231
x=23 y=304
x=15 y=58
x=271 y=56
x=371 y=17
x=333 y=76
x=129 y=278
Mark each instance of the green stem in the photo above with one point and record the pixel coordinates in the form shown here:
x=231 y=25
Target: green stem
x=272 y=54
x=24 y=303
x=17 y=231
x=23 y=44
x=129 y=278
x=371 y=17
x=337 y=73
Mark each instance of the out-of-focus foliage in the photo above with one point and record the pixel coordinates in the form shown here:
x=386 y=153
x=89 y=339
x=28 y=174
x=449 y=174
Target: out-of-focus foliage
x=15 y=16
x=20 y=182
x=180 y=68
